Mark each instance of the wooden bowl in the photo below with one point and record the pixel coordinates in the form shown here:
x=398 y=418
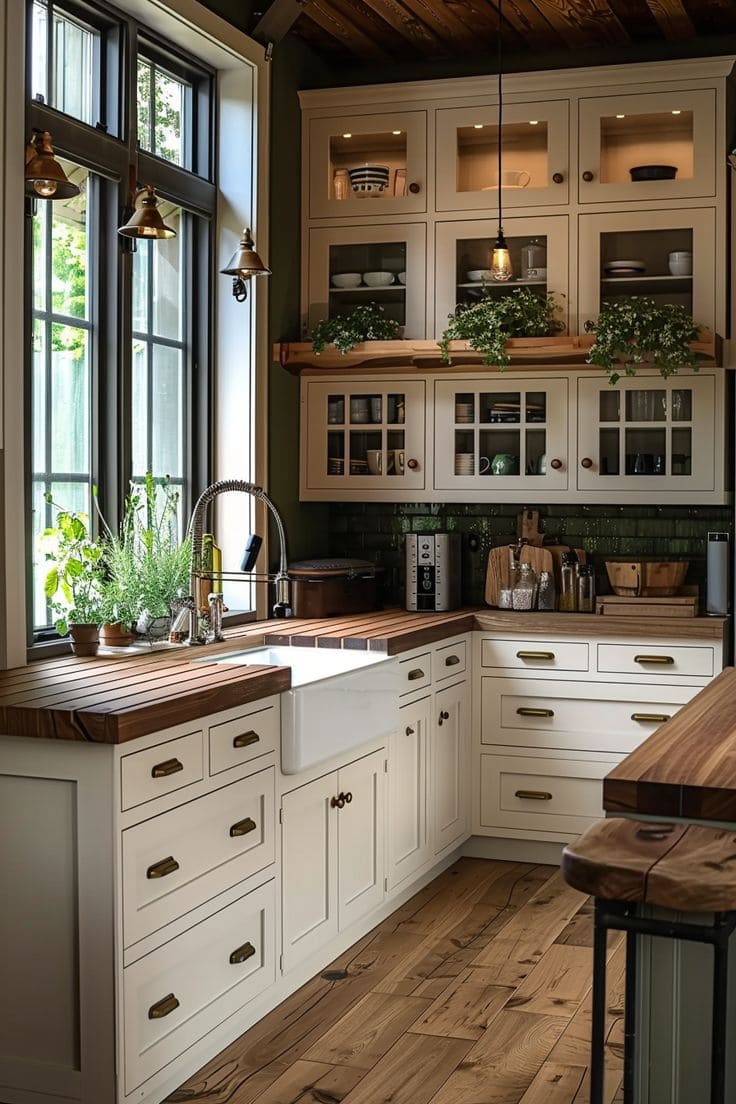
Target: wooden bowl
x=651 y=579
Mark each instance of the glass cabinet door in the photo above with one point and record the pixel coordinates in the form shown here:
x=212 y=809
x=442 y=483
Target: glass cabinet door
x=535 y=157
x=539 y=260
x=365 y=435
x=352 y=266
x=502 y=435
x=668 y=255
x=652 y=146
x=646 y=434
x=368 y=165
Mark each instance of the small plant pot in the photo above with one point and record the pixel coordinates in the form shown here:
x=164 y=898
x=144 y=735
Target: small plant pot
x=85 y=639
x=116 y=635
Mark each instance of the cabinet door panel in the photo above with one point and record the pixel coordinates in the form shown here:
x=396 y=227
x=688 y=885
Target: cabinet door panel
x=450 y=736
x=361 y=838
x=309 y=869
x=408 y=838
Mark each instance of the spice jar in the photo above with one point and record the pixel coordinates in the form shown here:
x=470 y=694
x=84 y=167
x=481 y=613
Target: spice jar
x=524 y=594
x=586 y=588
x=568 y=583
x=546 y=594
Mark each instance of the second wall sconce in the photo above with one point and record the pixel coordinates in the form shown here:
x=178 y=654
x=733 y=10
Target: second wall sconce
x=44 y=176
x=243 y=264
x=145 y=220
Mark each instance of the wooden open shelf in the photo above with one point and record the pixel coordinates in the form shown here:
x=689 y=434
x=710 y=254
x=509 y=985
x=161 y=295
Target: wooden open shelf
x=525 y=352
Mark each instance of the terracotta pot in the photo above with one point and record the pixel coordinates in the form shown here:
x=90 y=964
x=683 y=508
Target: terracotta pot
x=85 y=639
x=115 y=635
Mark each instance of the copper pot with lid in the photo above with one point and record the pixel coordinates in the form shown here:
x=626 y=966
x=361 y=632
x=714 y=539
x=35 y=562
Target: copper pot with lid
x=334 y=587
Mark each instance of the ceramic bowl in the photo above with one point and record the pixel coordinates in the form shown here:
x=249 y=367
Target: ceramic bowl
x=346 y=279
x=402 y=277
x=477 y=274
x=653 y=172
x=378 y=279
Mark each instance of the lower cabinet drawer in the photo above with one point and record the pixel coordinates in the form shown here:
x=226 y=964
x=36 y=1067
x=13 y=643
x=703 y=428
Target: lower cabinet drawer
x=415 y=673
x=657 y=660
x=252 y=733
x=156 y=771
x=535 y=655
x=449 y=660
x=179 y=992
x=542 y=795
x=179 y=860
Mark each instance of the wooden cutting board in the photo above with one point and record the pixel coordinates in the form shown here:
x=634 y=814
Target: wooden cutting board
x=539 y=558
x=557 y=551
x=497 y=572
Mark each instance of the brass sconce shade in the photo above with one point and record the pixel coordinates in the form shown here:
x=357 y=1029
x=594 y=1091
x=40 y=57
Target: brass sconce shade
x=243 y=264
x=146 y=220
x=45 y=178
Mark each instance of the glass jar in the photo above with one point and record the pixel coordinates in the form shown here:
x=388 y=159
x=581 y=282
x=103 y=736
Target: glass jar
x=568 y=583
x=586 y=588
x=534 y=259
x=523 y=596
x=546 y=594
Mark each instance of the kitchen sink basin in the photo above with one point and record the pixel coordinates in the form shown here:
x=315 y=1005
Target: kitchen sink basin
x=338 y=700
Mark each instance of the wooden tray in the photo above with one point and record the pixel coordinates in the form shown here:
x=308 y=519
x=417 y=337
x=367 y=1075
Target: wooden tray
x=685 y=604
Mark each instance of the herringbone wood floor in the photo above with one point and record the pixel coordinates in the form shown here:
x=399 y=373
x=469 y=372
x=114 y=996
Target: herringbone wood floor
x=476 y=991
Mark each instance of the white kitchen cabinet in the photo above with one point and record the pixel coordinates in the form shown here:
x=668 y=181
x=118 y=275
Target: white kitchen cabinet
x=395 y=253
x=332 y=839
x=394 y=140
x=536 y=157
x=462 y=262
x=632 y=128
x=408 y=792
x=450 y=762
x=361 y=435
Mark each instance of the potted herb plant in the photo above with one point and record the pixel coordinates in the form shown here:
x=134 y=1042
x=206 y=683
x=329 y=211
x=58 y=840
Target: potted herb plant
x=637 y=330
x=365 y=323
x=73 y=584
x=487 y=324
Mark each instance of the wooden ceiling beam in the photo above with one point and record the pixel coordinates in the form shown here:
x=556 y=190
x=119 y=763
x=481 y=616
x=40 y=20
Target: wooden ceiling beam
x=413 y=30
x=330 y=18
x=527 y=20
x=673 y=20
x=450 y=27
x=583 y=22
x=483 y=15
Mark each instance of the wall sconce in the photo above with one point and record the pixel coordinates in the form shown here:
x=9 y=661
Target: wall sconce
x=243 y=264
x=145 y=221
x=45 y=178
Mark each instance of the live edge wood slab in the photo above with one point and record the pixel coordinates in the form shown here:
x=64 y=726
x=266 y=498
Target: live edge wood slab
x=116 y=697
x=687 y=768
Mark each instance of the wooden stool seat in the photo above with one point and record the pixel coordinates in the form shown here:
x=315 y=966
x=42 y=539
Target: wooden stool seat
x=685 y=868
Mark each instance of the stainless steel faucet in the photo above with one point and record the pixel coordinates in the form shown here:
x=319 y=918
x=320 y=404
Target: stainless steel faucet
x=195 y=532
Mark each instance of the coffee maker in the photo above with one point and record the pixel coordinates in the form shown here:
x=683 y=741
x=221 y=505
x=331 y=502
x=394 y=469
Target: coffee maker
x=432 y=571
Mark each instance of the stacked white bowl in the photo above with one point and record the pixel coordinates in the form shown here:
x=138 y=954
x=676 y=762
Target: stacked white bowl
x=369 y=180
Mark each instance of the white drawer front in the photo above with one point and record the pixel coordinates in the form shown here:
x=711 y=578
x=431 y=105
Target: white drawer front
x=237 y=741
x=575 y=715
x=546 y=795
x=657 y=660
x=197 y=971
x=416 y=673
x=182 y=858
x=535 y=655
x=449 y=660
x=146 y=775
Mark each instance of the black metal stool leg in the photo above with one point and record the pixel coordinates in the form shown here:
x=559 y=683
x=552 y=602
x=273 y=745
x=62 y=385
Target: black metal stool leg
x=597 y=1044
x=630 y=1018
x=720 y=1006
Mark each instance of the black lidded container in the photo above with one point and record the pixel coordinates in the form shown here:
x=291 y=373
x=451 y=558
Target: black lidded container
x=334 y=587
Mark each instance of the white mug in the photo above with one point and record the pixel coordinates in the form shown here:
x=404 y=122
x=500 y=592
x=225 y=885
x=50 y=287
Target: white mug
x=511 y=178
x=398 y=461
x=483 y=465
x=375 y=461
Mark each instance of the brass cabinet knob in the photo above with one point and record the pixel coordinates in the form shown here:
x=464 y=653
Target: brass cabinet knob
x=556 y=464
x=337 y=802
x=444 y=716
x=412 y=464
x=409 y=730
x=415 y=188
x=587 y=176
x=586 y=462
x=558 y=178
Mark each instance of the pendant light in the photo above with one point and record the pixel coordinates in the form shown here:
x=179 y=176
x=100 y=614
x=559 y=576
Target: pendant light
x=145 y=220
x=45 y=178
x=500 y=257
x=243 y=264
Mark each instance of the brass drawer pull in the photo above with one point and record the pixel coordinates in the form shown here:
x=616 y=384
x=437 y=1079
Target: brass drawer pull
x=651 y=718
x=664 y=660
x=242 y=954
x=417 y=673
x=245 y=739
x=163 y=1007
x=243 y=827
x=534 y=795
x=527 y=711
x=162 y=868
x=452 y=660
x=535 y=655
x=170 y=766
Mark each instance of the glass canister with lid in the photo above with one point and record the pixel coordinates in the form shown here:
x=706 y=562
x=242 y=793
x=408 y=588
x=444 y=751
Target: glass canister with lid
x=524 y=594
x=534 y=259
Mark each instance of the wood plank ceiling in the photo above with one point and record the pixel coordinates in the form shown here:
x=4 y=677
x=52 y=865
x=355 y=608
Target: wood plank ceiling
x=395 y=30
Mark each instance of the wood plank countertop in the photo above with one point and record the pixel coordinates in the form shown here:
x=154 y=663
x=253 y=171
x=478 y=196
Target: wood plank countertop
x=687 y=768
x=121 y=694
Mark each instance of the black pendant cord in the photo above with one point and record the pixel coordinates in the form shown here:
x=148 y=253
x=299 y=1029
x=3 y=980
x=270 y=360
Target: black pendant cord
x=500 y=121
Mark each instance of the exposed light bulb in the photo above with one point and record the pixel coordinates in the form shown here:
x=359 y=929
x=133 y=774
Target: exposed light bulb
x=501 y=269
x=45 y=188
x=534 y=122
x=396 y=132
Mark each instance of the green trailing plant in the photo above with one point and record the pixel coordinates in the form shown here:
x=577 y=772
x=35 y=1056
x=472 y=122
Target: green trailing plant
x=636 y=330
x=74 y=581
x=365 y=323
x=487 y=324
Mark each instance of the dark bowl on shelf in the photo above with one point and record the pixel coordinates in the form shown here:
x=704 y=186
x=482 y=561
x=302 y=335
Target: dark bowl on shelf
x=653 y=172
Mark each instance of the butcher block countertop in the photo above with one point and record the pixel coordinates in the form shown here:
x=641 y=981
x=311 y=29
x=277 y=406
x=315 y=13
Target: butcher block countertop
x=687 y=768
x=122 y=694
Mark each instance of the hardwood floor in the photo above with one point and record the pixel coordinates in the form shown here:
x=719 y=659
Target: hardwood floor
x=476 y=991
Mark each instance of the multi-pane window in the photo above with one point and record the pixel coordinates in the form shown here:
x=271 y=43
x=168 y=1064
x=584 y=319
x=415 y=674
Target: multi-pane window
x=164 y=113
x=65 y=62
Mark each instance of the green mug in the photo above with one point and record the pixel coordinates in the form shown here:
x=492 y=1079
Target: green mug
x=505 y=464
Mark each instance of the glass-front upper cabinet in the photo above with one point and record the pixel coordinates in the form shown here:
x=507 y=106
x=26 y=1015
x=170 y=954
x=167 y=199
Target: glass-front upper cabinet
x=539 y=261
x=535 y=156
x=356 y=265
x=368 y=165
x=361 y=436
x=671 y=256
x=659 y=145
x=507 y=435
x=648 y=434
